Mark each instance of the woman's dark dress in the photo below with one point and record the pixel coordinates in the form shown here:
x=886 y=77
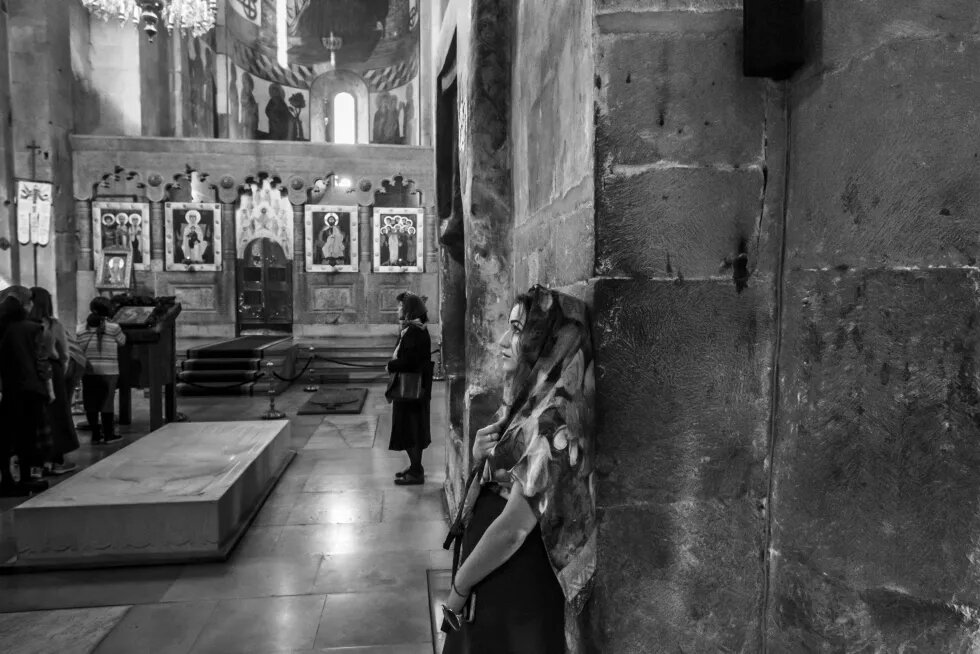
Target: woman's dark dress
x=409 y=419
x=519 y=608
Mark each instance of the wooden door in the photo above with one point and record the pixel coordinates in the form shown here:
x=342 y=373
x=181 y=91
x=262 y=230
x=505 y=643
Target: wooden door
x=265 y=288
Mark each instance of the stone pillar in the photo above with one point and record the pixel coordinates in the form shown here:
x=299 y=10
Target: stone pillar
x=365 y=233
x=42 y=113
x=85 y=280
x=485 y=170
x=229 y=260
x=9 y=264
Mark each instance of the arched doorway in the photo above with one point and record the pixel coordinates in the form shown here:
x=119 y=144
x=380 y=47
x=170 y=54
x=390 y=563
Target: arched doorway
x=265 y=288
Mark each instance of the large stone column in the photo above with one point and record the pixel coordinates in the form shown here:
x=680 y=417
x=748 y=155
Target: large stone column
x=9 y=264
x=485 y=170
x=41 y=107
x=85 y=280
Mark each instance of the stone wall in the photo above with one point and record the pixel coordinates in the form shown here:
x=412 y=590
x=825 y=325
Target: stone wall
x=876 y=458
x=688 y=158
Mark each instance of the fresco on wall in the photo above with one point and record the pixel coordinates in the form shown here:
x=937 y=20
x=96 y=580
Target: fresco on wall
x=378 y=40
x=331 y=238
x=268 y=110
x=264 y=212
x=398 y=240
x=198 y=86
x=193 y=236
x=122 y=225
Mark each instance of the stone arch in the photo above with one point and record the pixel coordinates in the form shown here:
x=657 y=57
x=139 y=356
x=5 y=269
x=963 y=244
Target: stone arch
x=322 y=92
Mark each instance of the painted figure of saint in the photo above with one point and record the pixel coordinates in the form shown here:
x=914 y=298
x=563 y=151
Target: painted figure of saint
x=277 y=111
x=250 y=109
x=116 y=274
x=193 y=245
x=394 y=245
x=333 y=244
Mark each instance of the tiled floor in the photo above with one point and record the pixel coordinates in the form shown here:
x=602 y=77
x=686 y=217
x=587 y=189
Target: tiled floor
x=335 y=561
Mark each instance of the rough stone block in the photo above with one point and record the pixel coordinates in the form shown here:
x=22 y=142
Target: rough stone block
x=686 y=577
x=683 y=391
x=678 y=222
x=552 y=104
x=195 y=298
x=840 y=31
x=877 y=464
x=682 y=99
x=332 y=298
x=896 y=185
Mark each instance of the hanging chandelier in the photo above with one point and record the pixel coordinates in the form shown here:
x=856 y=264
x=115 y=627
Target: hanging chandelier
x=193 y=16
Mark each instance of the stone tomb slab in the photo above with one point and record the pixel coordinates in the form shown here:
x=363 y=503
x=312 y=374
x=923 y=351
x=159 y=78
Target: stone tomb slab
x=185 y=492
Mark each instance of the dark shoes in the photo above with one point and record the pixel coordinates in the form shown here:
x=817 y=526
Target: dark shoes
x=410 y=478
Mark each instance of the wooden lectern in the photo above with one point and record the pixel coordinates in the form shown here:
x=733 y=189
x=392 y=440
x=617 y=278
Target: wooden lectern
x=149 y=360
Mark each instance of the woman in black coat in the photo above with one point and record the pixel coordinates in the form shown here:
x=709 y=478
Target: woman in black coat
x=410 y=418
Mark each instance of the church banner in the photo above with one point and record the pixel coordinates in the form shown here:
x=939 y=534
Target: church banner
x=331 y=238
x=193 y=236
x=122 y=225
x=33 y=212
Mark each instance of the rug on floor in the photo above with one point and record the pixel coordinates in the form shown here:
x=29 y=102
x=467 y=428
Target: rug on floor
x=438 y=583
x=340 y=400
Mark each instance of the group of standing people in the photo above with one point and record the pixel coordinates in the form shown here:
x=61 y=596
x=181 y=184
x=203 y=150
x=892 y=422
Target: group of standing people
x=41 y=365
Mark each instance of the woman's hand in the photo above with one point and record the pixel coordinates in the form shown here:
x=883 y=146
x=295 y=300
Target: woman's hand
x=455 y=602
x=486 y=439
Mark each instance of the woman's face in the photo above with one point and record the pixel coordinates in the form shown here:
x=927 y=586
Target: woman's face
x=510 y=342
x=401 y=311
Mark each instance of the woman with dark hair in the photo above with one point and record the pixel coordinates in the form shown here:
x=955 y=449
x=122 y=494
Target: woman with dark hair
x=410 y=418
x=528 y=547
x=63 y=438
x=100 y=340
x=25 y=387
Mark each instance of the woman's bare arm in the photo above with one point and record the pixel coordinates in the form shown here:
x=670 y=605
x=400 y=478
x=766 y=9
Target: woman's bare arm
x=501 y=541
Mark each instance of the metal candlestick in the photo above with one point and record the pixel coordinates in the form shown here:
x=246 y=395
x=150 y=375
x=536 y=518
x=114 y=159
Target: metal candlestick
x=312 y=386
x=272 y=413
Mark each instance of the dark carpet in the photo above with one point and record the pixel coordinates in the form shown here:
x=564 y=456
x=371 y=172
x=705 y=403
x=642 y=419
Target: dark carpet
x=340 y=400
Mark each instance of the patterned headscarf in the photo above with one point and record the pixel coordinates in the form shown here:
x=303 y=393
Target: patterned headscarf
x=549 y=433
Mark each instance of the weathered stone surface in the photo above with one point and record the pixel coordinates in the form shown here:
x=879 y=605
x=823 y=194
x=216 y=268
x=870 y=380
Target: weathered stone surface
x=884 y=157
x=684 y=577
x=683 y=391
x=678 y=222
x=557 y=249
x=877 y=464
x=681 y=98
x=332 y=298
x=195 y=298
x=839 y=31
x=552 y=114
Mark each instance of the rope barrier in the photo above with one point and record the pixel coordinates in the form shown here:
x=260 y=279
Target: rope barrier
x=351 y=365
x=298 y=375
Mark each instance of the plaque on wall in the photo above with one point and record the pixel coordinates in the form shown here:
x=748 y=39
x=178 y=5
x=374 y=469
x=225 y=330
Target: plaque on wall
x=331 y=238
x=122 y=225
x=193 y=236
x=398 y=237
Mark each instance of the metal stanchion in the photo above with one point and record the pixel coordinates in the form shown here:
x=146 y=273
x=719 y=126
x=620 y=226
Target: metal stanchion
x=272 y=413
x=312 y=386
x=438 y=374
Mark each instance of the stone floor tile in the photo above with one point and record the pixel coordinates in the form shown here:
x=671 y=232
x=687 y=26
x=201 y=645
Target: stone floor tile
x=258 y=541
x=374 y=619
x=85 y=588
x=70 y=631
x=253 y=626
x=352 y=538
x=158 y=628
x=246 y=577
x=407 y=503
x=336 y=507
x=372 y=572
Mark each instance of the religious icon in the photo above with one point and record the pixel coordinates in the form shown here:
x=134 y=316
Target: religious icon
x=264 y=213
x=398 y=240
x=331 y=238
x=115 y=270
x=122 y=225
x=193 y=236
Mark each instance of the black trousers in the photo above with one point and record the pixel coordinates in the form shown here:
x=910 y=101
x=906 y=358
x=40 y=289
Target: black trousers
x=519 y=608
x=22 y=416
